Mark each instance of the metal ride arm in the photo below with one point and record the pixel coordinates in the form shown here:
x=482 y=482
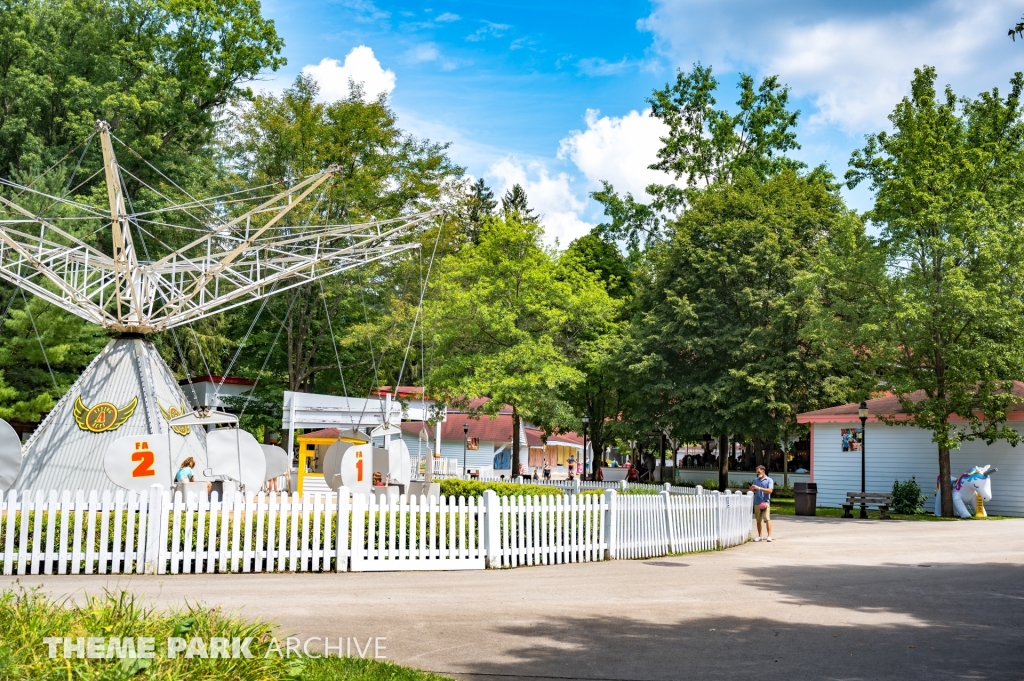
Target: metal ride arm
x=221 y=269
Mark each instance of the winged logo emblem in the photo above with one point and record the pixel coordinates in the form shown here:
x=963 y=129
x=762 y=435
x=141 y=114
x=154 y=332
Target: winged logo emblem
x=171 y=412
x=103 y=417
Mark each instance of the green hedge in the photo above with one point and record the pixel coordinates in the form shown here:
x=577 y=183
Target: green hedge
x=629 y=491
x=454 y=487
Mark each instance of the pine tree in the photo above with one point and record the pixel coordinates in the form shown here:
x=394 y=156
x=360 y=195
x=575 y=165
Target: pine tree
x=477 y=204
x=515 y=201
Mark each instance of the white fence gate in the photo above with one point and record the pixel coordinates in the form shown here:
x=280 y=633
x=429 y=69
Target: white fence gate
x=323 y=532
x=547 y=530
x=416 y=534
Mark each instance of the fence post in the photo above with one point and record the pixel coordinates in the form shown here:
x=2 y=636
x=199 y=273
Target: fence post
x=750 y=518
x=699 y=489
x=668 y=486
x=719 y=502
x=577 y=484
x=611 y=524
x=358 y=553
x=344 y=539
x=155 y=532
x=492 y=536
x=668 y=519
x=623 y=484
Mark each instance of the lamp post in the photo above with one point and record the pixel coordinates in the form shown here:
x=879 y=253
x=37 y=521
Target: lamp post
x=465 y=445
x=862 y=413
x=583 y=468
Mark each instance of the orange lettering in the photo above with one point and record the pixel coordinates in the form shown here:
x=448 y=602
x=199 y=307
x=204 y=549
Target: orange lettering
x=145 y=459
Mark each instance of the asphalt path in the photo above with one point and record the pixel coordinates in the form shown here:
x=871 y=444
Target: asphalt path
x=829 y=599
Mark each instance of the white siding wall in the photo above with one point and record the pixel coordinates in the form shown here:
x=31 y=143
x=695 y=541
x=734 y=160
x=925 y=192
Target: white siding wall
x=480 y=458
x=900 y=452
x=452 y=449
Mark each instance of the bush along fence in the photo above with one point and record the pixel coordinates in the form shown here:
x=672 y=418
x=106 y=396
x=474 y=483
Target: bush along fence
x=575 y=486
x=154 y=534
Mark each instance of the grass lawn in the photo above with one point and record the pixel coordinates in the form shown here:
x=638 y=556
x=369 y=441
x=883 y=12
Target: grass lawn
x=786 y=507
x=27 y=618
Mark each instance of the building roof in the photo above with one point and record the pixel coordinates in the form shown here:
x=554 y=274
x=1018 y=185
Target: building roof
x=536 y=438
x=887 y=406
x=533 y=437
x=483 y=428
x=402 y=391
x=569 y=438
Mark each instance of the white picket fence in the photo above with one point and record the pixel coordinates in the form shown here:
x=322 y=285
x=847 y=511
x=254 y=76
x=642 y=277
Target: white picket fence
x=323 y=532
x=647 y=525
x=547 y=530
x=416 y=533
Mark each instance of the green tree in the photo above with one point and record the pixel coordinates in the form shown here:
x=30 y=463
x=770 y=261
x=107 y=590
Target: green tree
x=509 y=321
x=603 y=258
x=705 y=146
x=945 y=301
x=724 y=334
x=515 y=201
x=160 y=71
x=477 y=203
x=598 y=394
x=43 y=353
x=345 y=334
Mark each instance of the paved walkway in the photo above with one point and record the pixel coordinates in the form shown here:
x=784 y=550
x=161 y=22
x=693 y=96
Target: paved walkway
x=829 y=599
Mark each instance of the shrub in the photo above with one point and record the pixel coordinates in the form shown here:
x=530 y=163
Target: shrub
x=454 y=487
x=907 y=498
x=629 y=491
x=710 y=483
x=781 y=492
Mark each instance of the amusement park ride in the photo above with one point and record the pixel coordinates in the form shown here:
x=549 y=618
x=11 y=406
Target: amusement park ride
x=240 y=247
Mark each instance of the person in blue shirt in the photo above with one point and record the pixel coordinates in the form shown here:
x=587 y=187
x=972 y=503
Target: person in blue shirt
x=762 y=488
x=185 y=473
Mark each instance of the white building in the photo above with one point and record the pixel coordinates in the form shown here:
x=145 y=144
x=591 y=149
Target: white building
x=208 y=391
x=901 y=452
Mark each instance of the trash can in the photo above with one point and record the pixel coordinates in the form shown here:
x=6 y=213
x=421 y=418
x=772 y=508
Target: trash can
x=806 y=497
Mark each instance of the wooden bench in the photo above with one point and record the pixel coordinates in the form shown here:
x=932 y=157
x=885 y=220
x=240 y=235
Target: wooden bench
x=880 y=500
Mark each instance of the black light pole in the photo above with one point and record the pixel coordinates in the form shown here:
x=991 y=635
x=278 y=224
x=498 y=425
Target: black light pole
x=862 y=412
x=465 y=444
x=583 y=468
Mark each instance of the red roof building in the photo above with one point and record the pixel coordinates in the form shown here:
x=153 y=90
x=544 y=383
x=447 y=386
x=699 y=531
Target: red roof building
x=892 y=450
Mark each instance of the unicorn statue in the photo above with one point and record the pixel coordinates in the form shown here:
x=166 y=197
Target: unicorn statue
x=970 y=492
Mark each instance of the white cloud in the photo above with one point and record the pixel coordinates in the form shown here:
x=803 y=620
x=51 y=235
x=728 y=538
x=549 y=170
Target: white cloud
x=617 y=149
x=447 y=16
x=424 y=52
x=428 y=52
x=550 y=195
x=596 y=66
x=360 y=66
x=488 y=30
x=852 y=65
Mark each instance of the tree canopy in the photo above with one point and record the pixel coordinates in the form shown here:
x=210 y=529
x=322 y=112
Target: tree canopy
x=944 y=290
x=509 y=319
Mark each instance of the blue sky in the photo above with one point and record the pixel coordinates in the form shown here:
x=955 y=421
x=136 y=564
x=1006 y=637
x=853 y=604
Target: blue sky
x=552 y=94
